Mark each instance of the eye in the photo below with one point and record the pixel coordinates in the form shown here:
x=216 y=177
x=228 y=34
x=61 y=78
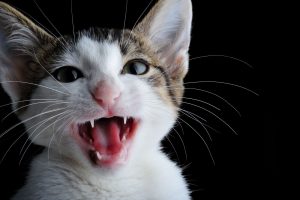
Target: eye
x=67 y=74
x=135 y=68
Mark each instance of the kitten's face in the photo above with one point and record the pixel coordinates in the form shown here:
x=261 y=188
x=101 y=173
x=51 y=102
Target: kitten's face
x=124 y=94
x=104 y=97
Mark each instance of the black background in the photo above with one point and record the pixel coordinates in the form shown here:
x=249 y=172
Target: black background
x=246 y=165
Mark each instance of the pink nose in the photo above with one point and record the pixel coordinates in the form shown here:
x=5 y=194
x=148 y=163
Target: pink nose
x=106 y=95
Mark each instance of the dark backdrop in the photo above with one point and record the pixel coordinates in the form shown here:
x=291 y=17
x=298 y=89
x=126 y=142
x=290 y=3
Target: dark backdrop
x=245 y=164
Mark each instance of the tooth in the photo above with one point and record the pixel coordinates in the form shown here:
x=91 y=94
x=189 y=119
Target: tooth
x=125 y=120
x=92 y=123
x=98 y=155
x=124 y=138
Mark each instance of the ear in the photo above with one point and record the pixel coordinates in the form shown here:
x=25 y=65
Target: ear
x=19 y=40
x=168 y=27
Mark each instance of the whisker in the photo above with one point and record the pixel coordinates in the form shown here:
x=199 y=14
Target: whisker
x=35 y=138
x=180 y=138
x=138 y=21
x=201 y=118
x=54 y=104
x=50 y=73
x=192 y=104
x=28 y=119
x=40 y=9
x=192 y=117
x=218 y=96
x=197 y=116
x=224 y=56
x=124 y=22
x=224 y=83
x=22 y=134
x=39 y=85
x=178 y=122
x=72 y=19
x=22 y=101
x=216 y=117
x=173 y=147
x=44 y=121
x=31 y=104
x=211 y=93
x=61 y=134
x=42 y=26
x=206 y=145
x=198 y=100
x=54 y=132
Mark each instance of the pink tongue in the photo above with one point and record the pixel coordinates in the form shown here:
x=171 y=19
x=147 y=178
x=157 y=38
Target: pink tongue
x=106 y=136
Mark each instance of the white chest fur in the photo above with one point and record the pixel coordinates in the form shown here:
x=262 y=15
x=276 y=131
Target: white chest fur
x=153 y=178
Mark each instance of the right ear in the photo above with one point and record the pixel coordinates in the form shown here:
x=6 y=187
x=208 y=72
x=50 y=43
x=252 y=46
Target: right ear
x=20 y=39
x=168 y=27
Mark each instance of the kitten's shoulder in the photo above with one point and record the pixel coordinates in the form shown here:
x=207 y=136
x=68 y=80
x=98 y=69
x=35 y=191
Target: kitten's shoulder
x=165 y=178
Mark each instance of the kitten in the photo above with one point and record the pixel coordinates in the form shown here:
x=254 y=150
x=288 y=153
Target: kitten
x=100 y=103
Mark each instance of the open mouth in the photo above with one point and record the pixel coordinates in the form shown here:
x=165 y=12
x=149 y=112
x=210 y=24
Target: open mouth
x=106 y=141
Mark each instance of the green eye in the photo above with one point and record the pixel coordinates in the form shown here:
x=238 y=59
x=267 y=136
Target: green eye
x=67 y=74
x=135 y=68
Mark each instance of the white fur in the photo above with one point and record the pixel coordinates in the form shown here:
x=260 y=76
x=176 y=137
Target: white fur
x=68 y=174
x=63 y=171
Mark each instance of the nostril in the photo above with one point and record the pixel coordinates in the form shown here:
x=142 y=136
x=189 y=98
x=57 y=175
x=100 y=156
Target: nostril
x=100 y=101
x=108 y=99
x=106 y=94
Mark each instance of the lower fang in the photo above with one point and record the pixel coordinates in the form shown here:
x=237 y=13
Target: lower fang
x=124 y=138
x=92 y=123
x=98 y=155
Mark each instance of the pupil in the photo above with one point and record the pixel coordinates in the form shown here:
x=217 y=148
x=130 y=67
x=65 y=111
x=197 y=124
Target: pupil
x=134 y=69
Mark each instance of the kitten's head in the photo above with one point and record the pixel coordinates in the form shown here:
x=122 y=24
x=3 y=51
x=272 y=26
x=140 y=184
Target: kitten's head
x=105 y=96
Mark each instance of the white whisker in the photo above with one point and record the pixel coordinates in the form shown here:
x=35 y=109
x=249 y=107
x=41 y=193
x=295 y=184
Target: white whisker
x=39 y=85
x=72 y=19
x=193 y=118
x=32 y=140
x=40 y=9
x=138 y=21
x=173 y=147
x=21 y=135
x=216 y=117
x=44 y=27
x=224 y=56
x=28 y=119
x=206 y=145
x=181 y=140
x=50 y=73
x=31 y=104
x=224 y=83
x=198 y=100
x=124 y=22
x=43 y=122
x=54 y=132
x=22 y=101
x=218 y=96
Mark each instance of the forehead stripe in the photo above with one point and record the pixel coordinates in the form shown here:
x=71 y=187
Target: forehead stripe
x=167 y=79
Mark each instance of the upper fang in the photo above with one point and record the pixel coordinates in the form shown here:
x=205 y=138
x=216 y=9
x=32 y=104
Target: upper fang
x=98 y=155
x=125 y=120
x=92 y=123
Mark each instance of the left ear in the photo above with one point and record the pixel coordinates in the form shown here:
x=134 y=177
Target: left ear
x=168 y=27
x=19 y=38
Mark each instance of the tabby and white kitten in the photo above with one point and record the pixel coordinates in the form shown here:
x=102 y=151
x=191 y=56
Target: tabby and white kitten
x=100 y=103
